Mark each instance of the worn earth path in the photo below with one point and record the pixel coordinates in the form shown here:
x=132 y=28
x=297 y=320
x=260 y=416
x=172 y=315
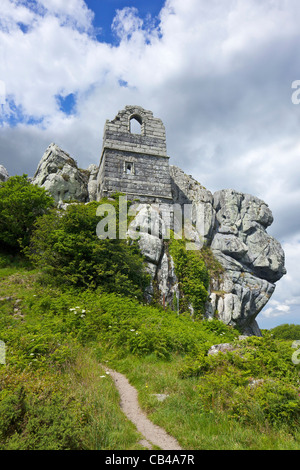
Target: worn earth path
x=154 y=435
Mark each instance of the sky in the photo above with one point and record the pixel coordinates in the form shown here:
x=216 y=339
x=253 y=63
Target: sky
x=224 y=76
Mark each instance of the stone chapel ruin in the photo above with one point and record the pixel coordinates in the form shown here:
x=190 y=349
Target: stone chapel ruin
x=132 y=163
x=233 y=224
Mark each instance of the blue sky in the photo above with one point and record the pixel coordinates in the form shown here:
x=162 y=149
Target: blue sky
x=105 y=11
x=219 y=74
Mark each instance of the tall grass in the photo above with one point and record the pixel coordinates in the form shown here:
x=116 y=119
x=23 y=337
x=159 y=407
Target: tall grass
x=182 y=412
x=55 y=393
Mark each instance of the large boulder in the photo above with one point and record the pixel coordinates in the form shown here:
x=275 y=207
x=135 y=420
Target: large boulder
x=234 y=226
x=251 y=258
x=150 y=228
x=59 y=174
x=3 y=174
x=196 y=204
x=92 y=182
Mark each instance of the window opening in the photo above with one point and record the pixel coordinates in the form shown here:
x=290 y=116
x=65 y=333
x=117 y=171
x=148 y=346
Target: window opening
x=129 y=168
x=135 y=125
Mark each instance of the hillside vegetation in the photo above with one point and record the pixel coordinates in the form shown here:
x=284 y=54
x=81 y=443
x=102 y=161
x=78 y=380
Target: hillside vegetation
x=75 y=304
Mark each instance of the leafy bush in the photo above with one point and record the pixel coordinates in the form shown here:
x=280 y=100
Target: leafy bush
x=286 y=331
x=21 y=203
x=255 y=383
x=38 y=415
x=66 y=248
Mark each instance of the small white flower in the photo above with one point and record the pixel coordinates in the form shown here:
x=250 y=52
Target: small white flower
x=72 y=309
x=83 y=311
x=107 y=373
x=102 y=376
x=132 y=330
x=82 y=316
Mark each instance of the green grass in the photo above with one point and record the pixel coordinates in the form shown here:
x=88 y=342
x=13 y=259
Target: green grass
x=63 y=403
x=183 y=415
x=107 y=427
x=53 y=394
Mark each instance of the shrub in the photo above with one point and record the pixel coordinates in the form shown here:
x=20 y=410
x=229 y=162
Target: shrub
x=21 y=203
x=257 y=383
x=286 y=331
x=40 y=417
x=66 y=248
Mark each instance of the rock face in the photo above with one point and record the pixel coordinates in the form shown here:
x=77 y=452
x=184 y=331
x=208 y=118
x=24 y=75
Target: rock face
x=253 y=260
x=59 y=174
x=159 y=264
x=234 y=226
x=3 y=174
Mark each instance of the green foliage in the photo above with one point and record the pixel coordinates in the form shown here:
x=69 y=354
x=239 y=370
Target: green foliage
x=286 y=331
x=40 y=409
x=48 y=403
x=255 y=383
x=66 y=248
x=21 y=203
x=192 y=275
x=124 y=325
x=38 y=415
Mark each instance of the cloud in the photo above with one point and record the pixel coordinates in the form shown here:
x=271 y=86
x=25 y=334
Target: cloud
x=126 y=23
x=276 y=309
x=284 y=306
x=74 y=13
x=219 y=75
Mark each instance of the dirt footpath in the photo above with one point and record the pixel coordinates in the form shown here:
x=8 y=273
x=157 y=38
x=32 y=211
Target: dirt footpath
x=154 y=435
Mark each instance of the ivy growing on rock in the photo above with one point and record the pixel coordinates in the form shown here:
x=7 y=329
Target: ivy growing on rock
x=193 y=277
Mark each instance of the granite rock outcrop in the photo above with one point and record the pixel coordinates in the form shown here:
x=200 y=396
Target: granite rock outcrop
x=59 y=174
x=234 y=226
x=3 y=174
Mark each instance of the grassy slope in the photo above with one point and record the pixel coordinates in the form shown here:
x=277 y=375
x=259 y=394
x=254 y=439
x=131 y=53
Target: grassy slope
x=53 y=395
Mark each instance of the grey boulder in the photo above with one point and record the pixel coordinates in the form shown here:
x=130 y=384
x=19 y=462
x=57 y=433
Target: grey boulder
x=3 y=174
x=59 y=174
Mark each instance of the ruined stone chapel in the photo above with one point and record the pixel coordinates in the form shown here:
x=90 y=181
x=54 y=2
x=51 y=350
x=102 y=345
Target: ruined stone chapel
x=134 y=157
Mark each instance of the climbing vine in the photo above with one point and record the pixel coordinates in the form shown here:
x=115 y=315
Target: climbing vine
x=193 y=277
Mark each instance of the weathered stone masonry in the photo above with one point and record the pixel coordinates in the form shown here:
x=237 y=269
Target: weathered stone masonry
x=135 y=164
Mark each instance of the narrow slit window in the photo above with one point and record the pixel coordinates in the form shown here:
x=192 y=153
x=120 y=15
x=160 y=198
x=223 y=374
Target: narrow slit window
x=129 y=168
